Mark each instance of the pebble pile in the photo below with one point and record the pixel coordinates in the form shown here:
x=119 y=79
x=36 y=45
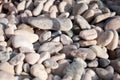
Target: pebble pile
x=59 y=40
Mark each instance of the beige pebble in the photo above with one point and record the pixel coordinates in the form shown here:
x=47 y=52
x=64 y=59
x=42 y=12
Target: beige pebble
x=44 y=56
x=17 y=59
x=7 y=67
x=9 y=32
x=99 y=51
x=30 y=36
x=88 y=34
x=32 y=58
x=62 y=6
x=53 y=11
x=105 y=38
x=65 y=39
x=6 y=76
x=38 y=70
x=20 y=41
x=26 y=28
x=21 y=5
x=58 y=57
x=113 y=24
x=114 y=43
x=88 y=15
x=18 y=68
x=87 y=43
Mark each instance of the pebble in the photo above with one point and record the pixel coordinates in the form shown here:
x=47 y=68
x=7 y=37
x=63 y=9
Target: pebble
x=38 y=70
x=99 y=51
x=6 y=76
x=93 y=63
x=113 y=23
x=75 y=70
x=17 y=59
x=80 y=8
x=44 y=36
x=114 y=43
x=26 y=67
x=4 y=56
x=20 y=41
x=4 y=21
x=65 y=39
x=32 y=58
x=105 y=38
x=82 y=22
x=7 y=67
x=63 y=24
x=88 y=34
x=18 y=68
x=90 y=75
x=84 y=43
x=103 y=62
x=51 y=64
x=104 y=74
x=28 y=35
x=25 y=27
x=115 y=65
x=51 y=47
x=116 y=76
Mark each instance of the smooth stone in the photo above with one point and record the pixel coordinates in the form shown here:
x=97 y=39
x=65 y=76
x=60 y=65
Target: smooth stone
x=7 y=67
x=116 y=65
x=26 y=67
x=89 y=75
x=51 y=47
x=65 y=39
x=32 y=58
x=20 y=41
x=4 y=56
x=82 y=22
x=75 y=70
x=103 y=62
x=113 y=24
x=28 y=35
x=85 y=43
x=105 y=38
x=63 y=24
x=6 y=76
x=25 y=27
x=51 y=64
x=19 y=68
x=116 y=76
x=4 y=21
x=17 y=59
x=38 y=70
x=93 y=63
x=88 y=34
x=104 y=74
x=99 y=51
x=44 y=36
x=79 y=8
x=114 y=43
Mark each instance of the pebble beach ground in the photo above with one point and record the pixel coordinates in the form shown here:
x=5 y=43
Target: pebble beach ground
x=59 y=40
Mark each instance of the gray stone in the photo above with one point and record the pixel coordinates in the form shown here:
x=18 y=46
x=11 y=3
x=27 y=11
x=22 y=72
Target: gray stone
x=4 y=56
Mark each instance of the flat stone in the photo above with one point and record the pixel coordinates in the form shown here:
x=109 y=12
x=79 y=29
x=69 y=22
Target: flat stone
x=99 y=51
x=32 y=58
x=28 y=35
x=114 y=43
x=88 y=34
x=65 y=39
x=7 y=67
x=51 y=47
x=105 y=38
x=82 y=22
x=6 y=76
x=63 y=24
x=20 y=41
x=17 y=59
x=38 y=70
x=113 y=24
x=85 y=43
x=93 y=63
